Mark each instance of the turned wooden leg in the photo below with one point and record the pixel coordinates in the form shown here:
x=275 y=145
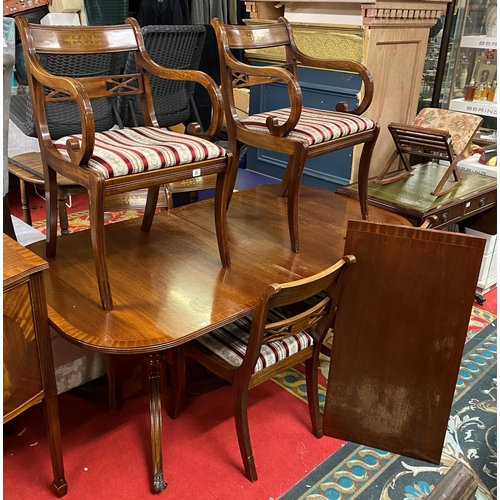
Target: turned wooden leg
x=63 y=213
x=25 y=202
x=241 y=421
x=96 y=212
x=51 y=412
x=364 y=168
x=313 y=396
x=153 y=364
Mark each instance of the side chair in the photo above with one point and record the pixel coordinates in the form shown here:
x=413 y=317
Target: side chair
x=297 y=131
x=108 y=162
x=255 y=348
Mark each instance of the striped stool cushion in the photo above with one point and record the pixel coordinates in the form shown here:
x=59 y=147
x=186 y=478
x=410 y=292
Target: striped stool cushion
x=315 y=125
x=140 y=149
x=230 y=343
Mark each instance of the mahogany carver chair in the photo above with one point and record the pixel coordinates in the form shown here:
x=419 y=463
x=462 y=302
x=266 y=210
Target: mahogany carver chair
x=253 y=349
x=110 y=162
x=439 y=134
x=299 y=132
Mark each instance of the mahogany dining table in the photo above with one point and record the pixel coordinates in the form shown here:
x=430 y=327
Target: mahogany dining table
x=169 y=286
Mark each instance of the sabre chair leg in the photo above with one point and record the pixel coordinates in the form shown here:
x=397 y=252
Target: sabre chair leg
x=96 y=211
x=241 y=421
x=51 y=210
x=286 y=177
x=233 y=164
x=153 y=365
x=178 y=371
x=363 y=171
x=149 y=211
x=297 y=167
x=313 y=396
x=220 y=209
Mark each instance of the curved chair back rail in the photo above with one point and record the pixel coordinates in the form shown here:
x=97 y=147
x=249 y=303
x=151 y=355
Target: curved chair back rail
x=297 y=131
x=114 y=161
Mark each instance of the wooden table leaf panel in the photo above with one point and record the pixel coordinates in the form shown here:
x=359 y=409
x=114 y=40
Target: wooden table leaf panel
x=399 y=335
x=28 y=373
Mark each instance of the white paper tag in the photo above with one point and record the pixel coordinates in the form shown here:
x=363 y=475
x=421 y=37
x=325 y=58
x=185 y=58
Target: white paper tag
x=196 y=172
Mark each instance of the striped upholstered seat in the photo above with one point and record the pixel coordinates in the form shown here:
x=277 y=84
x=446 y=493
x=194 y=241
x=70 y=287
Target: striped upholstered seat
x=230 y=343
x=315 y=125
x=140 y=149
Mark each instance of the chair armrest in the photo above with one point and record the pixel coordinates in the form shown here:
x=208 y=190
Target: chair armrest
x=203 y=79
x=339 y=65
x=79 y=154
x=293 y=87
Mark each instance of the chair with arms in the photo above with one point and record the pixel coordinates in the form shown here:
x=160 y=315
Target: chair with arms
x=297 y=131
x=250 y=351
x=115 y=161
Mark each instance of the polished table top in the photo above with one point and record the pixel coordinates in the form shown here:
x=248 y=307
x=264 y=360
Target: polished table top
x=168 y=285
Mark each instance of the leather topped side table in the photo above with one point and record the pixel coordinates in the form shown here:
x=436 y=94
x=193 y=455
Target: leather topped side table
x=411 y=198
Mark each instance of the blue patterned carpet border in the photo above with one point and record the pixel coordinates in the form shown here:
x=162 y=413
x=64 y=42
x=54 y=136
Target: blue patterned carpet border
x=363 y=473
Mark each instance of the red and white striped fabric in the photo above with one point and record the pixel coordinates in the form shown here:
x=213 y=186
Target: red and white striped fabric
x=315 y=125
x=230 y=343
x=139 y=149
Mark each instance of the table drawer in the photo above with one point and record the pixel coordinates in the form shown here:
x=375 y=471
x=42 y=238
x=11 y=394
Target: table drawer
x=480 y=202
x=448 y=216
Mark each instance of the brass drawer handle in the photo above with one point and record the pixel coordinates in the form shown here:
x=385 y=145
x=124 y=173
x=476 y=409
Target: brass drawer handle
x=444 y=217
x=482 y=201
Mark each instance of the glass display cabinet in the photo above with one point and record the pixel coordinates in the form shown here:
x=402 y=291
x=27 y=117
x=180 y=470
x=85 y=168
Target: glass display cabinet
x=469 y=80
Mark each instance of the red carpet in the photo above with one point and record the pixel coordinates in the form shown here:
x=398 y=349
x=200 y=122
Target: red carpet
x=107 y=455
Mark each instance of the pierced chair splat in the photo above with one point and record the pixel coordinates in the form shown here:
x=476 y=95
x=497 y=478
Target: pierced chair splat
x=110 y=161
x=299 y=132
x=255 y=348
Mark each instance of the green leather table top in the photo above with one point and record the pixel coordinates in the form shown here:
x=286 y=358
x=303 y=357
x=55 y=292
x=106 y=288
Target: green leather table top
x=413 y=192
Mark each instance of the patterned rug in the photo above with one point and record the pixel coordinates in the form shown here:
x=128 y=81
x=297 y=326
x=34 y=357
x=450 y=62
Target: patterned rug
x=360 y=472
x=79 y=221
